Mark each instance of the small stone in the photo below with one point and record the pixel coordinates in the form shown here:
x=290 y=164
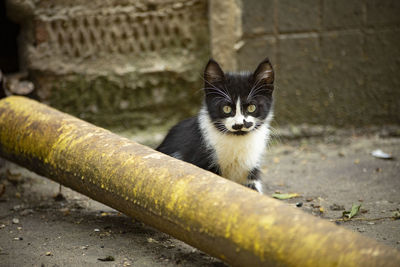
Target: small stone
x=26 y=212
x=126 y=262
x=16 y=207
x=335 y=206
x=371 y=223
x=65 y=211
x=2 y=226
x=48 y=253
x=97 y=230
x=18 y=238
x=15 y=221
x=299 y=204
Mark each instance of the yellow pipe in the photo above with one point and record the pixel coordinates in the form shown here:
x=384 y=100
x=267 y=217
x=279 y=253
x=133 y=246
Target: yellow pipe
x=222 y=218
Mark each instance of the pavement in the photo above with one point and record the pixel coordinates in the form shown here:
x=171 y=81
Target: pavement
x=330 y=174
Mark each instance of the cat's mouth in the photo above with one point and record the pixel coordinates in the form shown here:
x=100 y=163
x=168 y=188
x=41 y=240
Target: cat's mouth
x=239 y=132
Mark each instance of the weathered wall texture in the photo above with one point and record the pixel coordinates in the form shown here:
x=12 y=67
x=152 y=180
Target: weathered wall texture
x=115 y=63
x=337 y=62
x=139 y=63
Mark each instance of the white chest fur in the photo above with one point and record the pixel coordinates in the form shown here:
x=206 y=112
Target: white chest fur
x=236 y=155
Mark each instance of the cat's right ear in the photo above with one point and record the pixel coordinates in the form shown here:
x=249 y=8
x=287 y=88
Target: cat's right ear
x=213 y=72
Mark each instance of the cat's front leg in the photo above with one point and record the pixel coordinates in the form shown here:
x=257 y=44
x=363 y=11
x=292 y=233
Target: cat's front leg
x=254 y=180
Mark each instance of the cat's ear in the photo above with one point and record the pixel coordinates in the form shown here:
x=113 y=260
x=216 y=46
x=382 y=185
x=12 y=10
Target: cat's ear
x=264 y=73
x=213 y=72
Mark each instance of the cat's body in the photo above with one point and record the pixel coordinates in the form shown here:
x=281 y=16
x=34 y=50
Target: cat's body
x=230 y=133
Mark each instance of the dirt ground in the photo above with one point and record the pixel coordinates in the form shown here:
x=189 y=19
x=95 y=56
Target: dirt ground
x=330 y=175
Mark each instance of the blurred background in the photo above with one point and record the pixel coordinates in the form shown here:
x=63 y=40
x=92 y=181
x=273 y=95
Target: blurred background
x=136 y=65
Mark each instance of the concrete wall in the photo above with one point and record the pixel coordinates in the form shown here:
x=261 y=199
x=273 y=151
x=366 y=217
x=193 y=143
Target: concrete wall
x=138 y=63
x=337 y=62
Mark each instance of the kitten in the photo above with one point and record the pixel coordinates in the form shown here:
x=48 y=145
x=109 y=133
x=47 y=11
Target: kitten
x=230 y=133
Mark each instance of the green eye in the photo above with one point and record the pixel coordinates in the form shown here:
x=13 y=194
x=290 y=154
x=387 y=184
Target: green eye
x=251 y=108
x=227 y=109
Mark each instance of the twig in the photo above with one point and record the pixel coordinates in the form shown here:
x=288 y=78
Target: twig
x=362 y=219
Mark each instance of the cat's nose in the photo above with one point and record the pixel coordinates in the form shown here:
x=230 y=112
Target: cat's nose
x=237 y=127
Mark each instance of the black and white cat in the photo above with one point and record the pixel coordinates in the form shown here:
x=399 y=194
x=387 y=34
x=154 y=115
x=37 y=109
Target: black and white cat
x=230 y=133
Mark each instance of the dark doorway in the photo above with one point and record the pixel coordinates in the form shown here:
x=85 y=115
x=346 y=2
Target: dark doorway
x=8 y=45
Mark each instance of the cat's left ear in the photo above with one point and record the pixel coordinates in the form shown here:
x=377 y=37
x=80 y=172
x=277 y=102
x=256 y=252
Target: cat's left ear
x=264 y=73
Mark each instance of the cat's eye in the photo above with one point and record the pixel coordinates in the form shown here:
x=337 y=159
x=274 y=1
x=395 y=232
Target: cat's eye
x=251 y=108
x=227 y=109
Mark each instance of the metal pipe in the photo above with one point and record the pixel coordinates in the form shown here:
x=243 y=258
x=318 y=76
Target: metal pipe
x=222 y=218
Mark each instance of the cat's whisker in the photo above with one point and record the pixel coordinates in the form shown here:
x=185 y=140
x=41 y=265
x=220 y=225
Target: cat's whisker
x=227 y=92
x=218 y=93
x=251 y=91
x=275 y=134
x=215 y=89
x=255 y=91
x=224 y=90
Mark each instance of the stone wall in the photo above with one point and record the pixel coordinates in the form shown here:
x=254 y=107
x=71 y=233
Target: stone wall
x=135 y=63
x=337 y=62
x=130 y=63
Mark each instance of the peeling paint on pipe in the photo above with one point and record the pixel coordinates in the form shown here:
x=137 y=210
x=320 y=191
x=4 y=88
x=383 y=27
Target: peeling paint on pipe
x=222 y=218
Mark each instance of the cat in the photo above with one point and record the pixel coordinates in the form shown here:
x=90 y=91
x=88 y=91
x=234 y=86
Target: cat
x=230 y=133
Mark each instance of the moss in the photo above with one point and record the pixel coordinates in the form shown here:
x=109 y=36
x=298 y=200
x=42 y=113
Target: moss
x=109 y=102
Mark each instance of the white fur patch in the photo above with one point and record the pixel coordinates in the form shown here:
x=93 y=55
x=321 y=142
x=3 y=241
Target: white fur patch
x=258 y=186
x=236 y=155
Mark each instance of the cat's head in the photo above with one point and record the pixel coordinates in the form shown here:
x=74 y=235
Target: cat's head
x=238 y=103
